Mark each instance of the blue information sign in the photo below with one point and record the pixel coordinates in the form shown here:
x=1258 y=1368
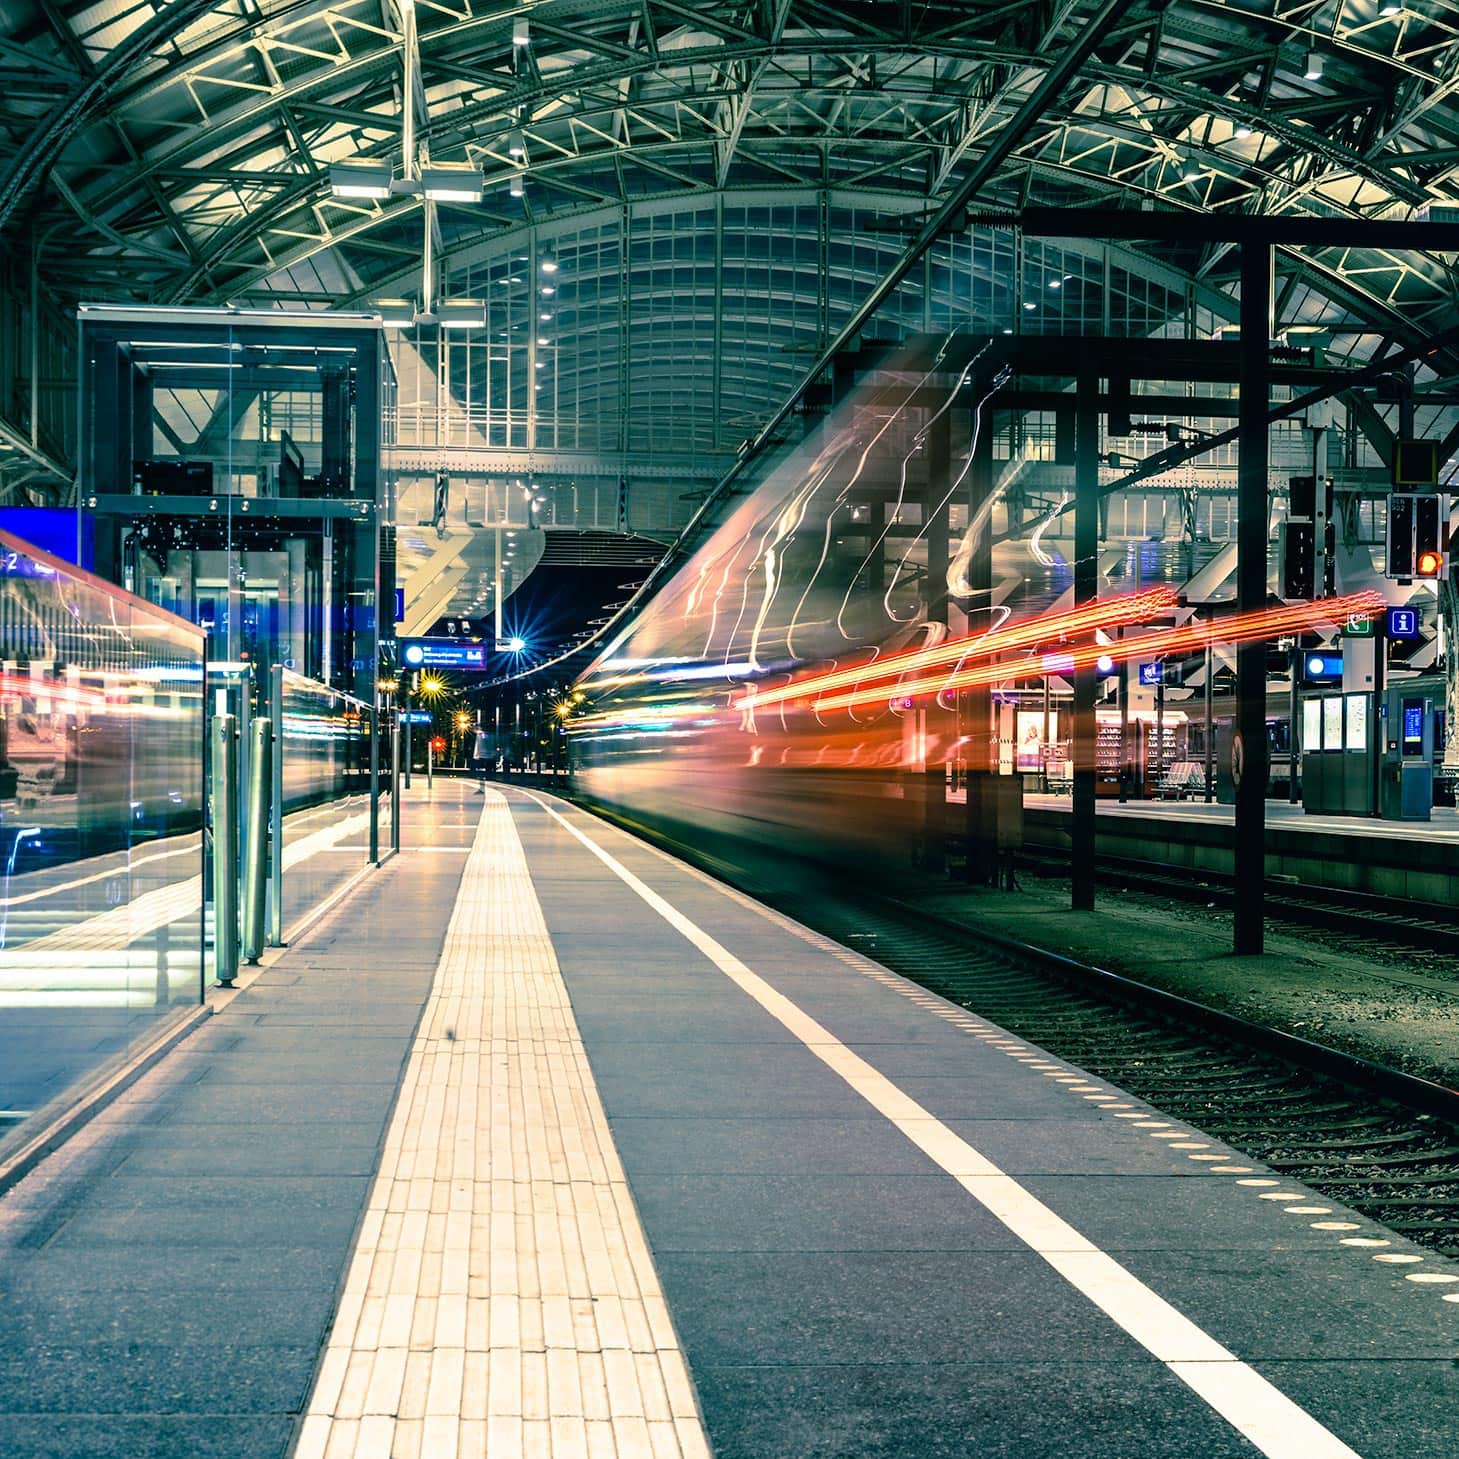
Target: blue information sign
x=413 y=716
x=1151 y=674
x=1403 y=623
x=441 y=653
x=400 y=605
x=1322 y=666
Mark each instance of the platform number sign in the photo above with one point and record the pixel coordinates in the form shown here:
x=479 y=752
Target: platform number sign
x=1402 y=623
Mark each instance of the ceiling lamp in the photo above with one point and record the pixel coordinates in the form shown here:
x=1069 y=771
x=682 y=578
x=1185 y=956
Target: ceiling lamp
x=451 y=182
x=360 y=179
x=549 y=262
x=1243 y=130
x=461 y=313
x=516 y=144
x=518 y=185
x=396 y=313
x=1314 y=66
x=521 y=32
x=1390 y=7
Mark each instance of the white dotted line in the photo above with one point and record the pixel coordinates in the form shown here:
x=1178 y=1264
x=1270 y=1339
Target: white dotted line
x=1036 y=1059
x=1157 y=1129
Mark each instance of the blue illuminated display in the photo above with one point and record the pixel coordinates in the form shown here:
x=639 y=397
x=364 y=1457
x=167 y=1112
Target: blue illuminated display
x=1413 y=722
x=1151 y=674
x=1323 y=666
x=441 y=653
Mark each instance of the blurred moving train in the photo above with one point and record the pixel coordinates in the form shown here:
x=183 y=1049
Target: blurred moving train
x=821 y=675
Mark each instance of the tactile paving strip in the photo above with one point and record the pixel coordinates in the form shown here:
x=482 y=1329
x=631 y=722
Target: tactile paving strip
x=502 y=1297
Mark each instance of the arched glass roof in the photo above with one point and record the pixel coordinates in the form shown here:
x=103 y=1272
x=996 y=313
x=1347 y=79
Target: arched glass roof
x=720 y=183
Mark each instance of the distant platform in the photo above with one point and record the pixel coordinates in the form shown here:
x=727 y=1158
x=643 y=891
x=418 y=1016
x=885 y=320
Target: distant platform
x=1412 y=860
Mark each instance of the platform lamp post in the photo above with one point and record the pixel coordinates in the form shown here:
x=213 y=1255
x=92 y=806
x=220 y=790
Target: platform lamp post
x=385 y=714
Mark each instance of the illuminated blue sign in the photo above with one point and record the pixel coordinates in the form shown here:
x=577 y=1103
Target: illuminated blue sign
x=413 y=716
x=400 y=605
x=1322 y=666
x=1403 y=623
x=441 y=653
x=1151 y=674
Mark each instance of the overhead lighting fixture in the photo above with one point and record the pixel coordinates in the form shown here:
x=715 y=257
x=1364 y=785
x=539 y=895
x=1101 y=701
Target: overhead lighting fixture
x=548 y=291
x=1243 y=130
x=1029 y=304
x=1390 y=7
x=461 y=313
x=396 y=313
x=516 y=144
x=521 y=31
x=545 y=315
x=360 y=179
x=451 y=182
x=549 y=263
x=518 y=185
x=1314 y=66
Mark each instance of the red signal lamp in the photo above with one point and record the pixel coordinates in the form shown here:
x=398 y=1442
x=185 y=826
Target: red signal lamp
x=1429 y=565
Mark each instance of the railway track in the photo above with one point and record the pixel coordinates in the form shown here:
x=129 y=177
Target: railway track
x=1382 y=1142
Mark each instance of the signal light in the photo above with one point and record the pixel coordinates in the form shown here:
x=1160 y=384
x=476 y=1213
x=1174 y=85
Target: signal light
x=1418 y=535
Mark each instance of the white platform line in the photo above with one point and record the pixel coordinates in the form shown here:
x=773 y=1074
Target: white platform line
x=1258 y=1410
x=502 y=1298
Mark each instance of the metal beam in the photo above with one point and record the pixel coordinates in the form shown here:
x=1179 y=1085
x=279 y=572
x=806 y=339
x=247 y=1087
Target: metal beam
x=1249 y=753
x=504 y=461
x=1067 y=64
x=1192 y=227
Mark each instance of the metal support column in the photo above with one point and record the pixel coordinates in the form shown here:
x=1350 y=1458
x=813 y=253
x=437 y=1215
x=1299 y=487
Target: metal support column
x=1294 y=664
x=1249 y=753
x=256 y=839
x=936 y=737
x=224 y=765
x=276 y=811
x=980 y=829
x=1210 y=742
x=405 y=680
x=1086 y=590
x=375 y=778
x=395 y=782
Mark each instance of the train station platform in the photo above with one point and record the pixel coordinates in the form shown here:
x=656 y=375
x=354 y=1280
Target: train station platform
x=543 y=1143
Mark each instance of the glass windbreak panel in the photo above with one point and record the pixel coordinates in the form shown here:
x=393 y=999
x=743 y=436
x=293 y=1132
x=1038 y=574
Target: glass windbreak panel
x=1312 y=724
x=1332 y=722
x=101 y=734
x=1357 y=722
x=325 y=774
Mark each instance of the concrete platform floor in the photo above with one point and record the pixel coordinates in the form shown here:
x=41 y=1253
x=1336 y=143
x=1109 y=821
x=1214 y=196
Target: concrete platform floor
x=545 y=1143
